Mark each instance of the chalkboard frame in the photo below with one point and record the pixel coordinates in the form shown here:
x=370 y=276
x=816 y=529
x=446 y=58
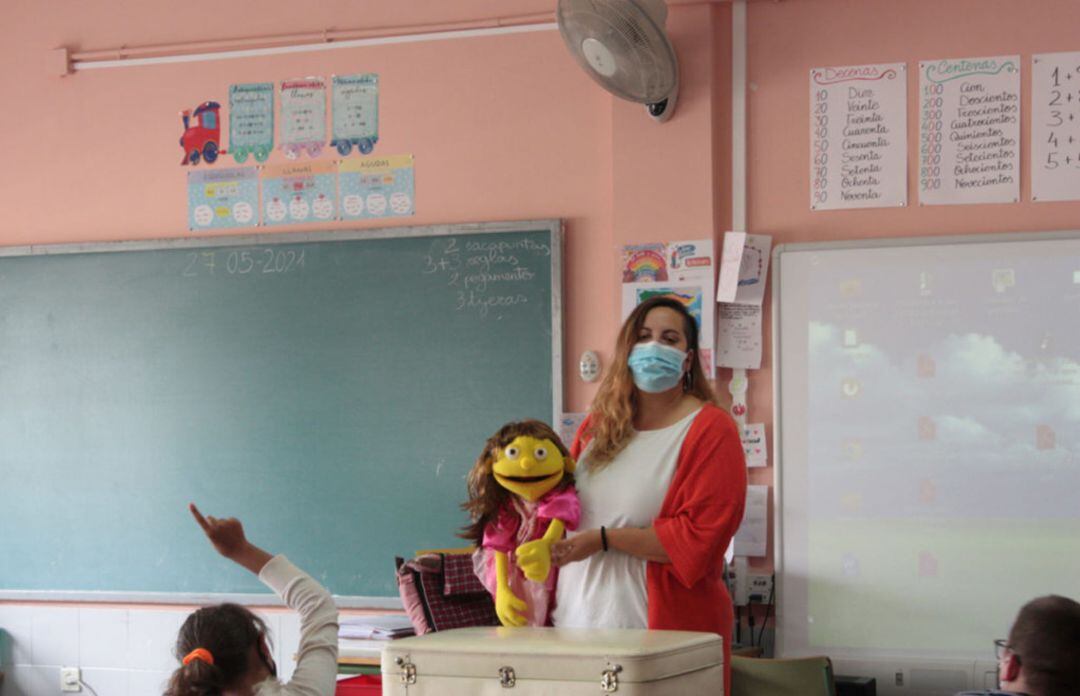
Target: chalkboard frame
x=553 y=226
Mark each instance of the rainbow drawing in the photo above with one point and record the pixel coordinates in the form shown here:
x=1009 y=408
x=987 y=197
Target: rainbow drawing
x=644 y=263
x=690 y=297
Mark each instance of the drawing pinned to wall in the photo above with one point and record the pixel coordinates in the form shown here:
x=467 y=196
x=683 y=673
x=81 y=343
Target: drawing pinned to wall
x=355 y=113
x=376 y=187
x=303 y=117
x=969 y=130
x=297 y=193
x=683 y=269
x=201 y=139
x=1055 y=127
x=223 y=198
x=858 y=136
x=251 y=120
x=644 y=263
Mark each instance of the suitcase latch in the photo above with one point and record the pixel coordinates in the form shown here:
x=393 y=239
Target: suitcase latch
x=408 y=670
x=507 y=678
x=609 y=679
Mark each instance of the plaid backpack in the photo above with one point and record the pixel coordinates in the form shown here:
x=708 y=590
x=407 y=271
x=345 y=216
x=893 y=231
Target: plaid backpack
x=441 y=591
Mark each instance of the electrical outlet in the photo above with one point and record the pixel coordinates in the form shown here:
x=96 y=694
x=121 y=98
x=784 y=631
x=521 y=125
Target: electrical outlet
x=760 y=588
x=70 y=679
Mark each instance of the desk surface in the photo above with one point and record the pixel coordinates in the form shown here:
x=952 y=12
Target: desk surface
x=352 y=651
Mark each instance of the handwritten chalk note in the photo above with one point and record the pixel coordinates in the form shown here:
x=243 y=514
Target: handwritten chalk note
x=969 y=130
x=858 y=137
x=486 y=278
x=1055 y=127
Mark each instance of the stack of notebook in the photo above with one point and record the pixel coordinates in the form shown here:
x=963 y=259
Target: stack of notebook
x=376 y=627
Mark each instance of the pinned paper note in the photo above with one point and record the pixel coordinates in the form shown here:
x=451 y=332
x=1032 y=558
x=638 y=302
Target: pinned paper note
x=730 y=265
x=754 y=446
x=738 y=336
x=752 y=538
x=744 y=272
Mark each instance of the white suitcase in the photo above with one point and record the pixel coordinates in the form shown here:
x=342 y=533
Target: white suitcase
x=501 y=661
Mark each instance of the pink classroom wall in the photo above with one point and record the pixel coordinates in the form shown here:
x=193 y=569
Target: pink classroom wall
x=502 y=128
x=787 y=39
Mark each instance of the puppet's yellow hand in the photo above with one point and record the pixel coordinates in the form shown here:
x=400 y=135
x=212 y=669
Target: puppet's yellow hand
x=534 y=559
x=507 y=606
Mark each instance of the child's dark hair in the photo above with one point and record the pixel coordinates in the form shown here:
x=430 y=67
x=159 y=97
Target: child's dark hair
x=227 y=632
x=486 y=496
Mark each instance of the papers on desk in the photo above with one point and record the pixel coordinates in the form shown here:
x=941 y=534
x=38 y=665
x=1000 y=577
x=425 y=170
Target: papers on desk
x=380 y=627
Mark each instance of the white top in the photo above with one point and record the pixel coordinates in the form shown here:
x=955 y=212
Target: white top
x=607 y=590
x=316 y=661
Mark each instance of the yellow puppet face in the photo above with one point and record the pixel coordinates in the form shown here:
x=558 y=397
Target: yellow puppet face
x=530 y=467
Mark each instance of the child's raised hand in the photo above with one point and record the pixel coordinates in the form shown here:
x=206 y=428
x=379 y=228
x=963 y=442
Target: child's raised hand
x=226 y=535
x=228 y=538
x=534 y=559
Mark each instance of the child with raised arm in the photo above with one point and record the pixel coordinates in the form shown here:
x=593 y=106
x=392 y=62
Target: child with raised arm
x=224 y=650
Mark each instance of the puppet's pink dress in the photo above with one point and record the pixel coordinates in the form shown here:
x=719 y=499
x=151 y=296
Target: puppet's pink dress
x=517 y=522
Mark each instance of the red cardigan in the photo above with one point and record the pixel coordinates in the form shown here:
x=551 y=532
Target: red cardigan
x=700 y=514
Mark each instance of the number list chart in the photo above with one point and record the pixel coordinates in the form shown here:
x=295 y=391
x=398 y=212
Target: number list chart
x=969 y=131
x=858 y=137
x=1055 y=127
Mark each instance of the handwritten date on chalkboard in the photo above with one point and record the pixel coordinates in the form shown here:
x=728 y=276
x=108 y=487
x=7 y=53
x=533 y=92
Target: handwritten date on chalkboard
x=243 y=261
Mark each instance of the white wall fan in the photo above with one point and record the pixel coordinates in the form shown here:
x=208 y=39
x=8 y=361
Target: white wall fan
x=623 y=46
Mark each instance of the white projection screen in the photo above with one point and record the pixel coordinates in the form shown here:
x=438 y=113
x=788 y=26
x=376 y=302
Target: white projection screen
x=927 y=439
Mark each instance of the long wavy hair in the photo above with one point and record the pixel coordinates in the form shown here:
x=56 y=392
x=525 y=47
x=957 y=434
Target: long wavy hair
x=611 y=416
x=228 y=631
x=486 y=496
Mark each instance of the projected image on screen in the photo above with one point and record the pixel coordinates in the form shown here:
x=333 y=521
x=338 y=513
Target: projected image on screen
x=941 y=436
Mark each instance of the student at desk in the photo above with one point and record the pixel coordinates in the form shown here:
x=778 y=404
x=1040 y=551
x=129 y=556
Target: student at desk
x=1041 y=657
x=662 y=482
x=224 y=649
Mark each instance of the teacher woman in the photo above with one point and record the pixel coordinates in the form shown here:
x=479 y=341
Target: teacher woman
x=662 y=482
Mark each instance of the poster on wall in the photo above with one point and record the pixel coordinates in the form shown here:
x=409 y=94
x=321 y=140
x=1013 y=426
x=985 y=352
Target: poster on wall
x=685 y=270
x=969 y=131
x=355 y=114
x=376 y=187
x=223 y=198
x=251 y=121
x=1055 y=127
x=858 y=137
x=298 y=193
x=303 y=117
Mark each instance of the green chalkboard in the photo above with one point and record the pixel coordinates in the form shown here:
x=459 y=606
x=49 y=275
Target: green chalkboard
x=332 y=390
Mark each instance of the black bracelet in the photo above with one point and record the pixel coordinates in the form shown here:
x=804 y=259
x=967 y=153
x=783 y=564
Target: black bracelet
x=603 y=538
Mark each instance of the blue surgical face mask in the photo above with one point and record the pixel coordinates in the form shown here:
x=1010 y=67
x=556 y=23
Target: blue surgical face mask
x=656 y=367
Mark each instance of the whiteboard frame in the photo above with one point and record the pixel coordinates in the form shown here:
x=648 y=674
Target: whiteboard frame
x=777 y=363
x=552 y=225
